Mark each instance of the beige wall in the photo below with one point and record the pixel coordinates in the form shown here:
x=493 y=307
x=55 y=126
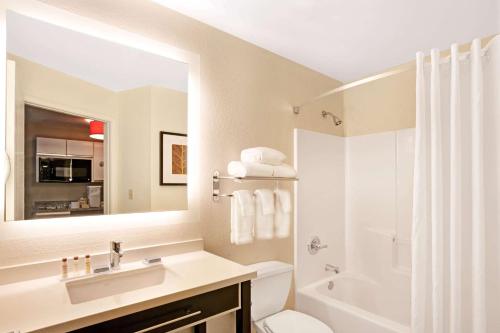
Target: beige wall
x=386 y=104
x=134 y=120
x=145 y=112
x=383 y=105
x=246 y=99
x=168 y=113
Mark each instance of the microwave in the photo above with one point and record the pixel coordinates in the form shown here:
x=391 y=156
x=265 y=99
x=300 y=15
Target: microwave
x=63 y=170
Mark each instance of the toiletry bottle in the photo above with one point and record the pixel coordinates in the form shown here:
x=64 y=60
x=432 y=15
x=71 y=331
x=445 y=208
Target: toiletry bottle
x=75 y=265
x=64 y=268
x=88 y=268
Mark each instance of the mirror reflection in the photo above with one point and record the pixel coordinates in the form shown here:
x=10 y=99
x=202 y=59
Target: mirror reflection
x=94 y=127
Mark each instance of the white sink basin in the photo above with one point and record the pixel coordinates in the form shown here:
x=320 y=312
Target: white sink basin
x=114 y=283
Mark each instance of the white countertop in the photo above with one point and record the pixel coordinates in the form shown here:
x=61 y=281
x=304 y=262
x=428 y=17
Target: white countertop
x=44 y=304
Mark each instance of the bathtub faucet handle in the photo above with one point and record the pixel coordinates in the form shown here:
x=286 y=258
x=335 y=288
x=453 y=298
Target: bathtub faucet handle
x=315 y=245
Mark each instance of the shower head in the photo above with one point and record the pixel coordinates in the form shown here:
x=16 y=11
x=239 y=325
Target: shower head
x=336 y=120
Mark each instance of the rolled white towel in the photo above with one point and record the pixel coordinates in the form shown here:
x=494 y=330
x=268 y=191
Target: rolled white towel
x=242 y=217
x=262 y=155
x=284 y=170
x=282 y=213
x=264 y=214
x=245 y=169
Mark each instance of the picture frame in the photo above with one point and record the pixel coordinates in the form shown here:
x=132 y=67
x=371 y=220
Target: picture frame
x=173 y=159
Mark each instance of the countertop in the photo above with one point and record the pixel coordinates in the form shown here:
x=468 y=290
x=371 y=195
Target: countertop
x=44 y=304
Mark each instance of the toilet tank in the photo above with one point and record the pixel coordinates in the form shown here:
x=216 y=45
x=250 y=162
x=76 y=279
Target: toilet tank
x=270 y=288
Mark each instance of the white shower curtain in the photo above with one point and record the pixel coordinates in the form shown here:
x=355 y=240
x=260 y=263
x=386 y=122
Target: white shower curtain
x=455 y=257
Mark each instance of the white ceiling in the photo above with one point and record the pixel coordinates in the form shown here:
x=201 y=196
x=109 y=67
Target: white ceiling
x=102 y=63
x=347 y=39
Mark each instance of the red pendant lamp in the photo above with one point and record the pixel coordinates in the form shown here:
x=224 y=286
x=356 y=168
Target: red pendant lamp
x=96 y=130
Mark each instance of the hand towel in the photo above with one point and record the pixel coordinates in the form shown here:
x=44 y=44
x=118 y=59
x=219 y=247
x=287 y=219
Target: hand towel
x=242 y=217
x=264 y=214
x=284 y=170
x=245 y=169
x=282 y=213
x=263 y=155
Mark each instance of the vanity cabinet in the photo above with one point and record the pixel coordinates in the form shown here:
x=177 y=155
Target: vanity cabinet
x=189 y=312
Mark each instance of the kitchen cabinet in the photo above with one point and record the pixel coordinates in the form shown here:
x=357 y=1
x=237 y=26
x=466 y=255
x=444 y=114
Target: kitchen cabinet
x=79 y=148
x=50 y=146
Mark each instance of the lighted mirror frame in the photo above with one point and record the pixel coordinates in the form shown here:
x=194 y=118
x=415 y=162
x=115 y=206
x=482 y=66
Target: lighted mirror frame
x=67 y=20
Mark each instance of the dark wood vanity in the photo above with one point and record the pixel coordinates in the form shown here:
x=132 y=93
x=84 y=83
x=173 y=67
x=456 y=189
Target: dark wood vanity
x=188 y=312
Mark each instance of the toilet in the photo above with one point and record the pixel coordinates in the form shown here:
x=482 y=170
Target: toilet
x=269 y=293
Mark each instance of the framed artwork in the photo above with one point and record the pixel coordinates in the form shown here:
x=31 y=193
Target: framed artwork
x=173 y=158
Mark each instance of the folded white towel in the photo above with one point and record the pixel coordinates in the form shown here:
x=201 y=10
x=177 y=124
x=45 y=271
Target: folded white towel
x=245 y=169
x=284 y=170
x=242 y=217
x=282 y=213
x=264 y=214
x=263 y=155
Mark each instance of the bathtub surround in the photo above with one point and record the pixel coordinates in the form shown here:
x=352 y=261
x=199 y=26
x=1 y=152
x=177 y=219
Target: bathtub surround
x=320 y=204
x=357 y=198
x=378 y=217
x=456 y=193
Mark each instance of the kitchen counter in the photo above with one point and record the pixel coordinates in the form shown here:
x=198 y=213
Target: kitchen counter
x=90 y=209
x=44 y=304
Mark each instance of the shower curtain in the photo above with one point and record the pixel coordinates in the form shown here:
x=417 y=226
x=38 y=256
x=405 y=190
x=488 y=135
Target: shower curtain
x=455 y=256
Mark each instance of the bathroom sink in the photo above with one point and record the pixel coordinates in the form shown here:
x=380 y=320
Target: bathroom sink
x=114 y=283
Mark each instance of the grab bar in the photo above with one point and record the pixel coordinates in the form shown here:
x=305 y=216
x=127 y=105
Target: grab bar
x=169 y=322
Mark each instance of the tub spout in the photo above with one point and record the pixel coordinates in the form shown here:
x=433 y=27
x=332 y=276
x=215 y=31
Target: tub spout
x=332 y=268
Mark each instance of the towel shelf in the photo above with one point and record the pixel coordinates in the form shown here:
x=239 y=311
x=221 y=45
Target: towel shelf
x=216 y=178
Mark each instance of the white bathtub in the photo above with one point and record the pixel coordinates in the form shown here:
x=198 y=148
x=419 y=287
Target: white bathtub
x=356 y=304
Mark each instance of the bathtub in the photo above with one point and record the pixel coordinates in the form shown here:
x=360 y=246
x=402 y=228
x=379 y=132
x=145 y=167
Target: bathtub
x=355 y=304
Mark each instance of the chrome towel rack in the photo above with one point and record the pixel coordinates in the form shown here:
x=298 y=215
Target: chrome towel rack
x=216 y=178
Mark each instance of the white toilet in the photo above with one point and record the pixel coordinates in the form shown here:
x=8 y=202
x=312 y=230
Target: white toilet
x=269 y=293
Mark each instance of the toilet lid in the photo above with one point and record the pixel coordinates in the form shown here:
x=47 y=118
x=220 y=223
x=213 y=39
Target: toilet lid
x=289 y=321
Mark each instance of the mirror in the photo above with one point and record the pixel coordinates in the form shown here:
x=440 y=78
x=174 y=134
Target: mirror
x=93 y=127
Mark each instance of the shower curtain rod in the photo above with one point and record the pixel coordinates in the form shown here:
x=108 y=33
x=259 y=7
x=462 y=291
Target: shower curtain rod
x=401 y=69
x=398 y=70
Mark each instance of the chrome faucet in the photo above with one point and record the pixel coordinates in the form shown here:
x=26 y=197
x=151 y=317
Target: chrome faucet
x=115 y=254
x=332 y=268
x=315 y=245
